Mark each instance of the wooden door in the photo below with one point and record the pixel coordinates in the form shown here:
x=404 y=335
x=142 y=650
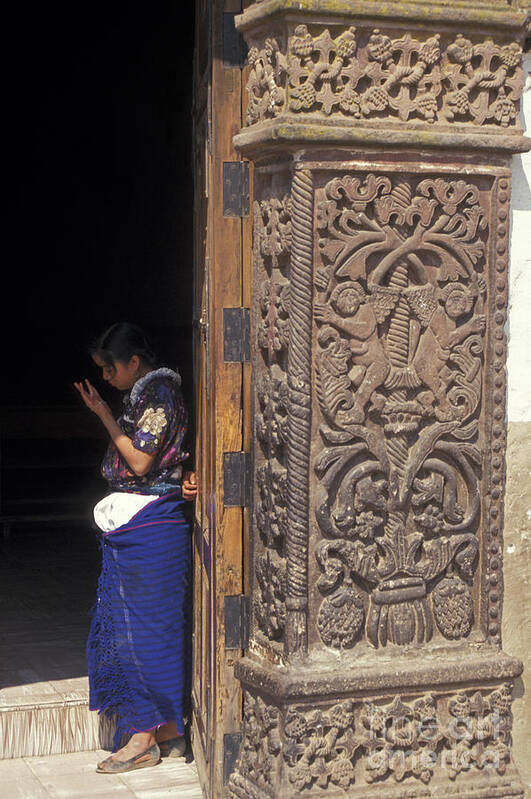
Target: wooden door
x=222 y=391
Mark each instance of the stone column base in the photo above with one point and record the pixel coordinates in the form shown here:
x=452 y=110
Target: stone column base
x=361 y=731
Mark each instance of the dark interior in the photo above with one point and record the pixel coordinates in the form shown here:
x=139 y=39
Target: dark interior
x=100 y=222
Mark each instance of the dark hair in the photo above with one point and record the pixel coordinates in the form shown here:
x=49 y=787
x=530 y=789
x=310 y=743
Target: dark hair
x=120 y=342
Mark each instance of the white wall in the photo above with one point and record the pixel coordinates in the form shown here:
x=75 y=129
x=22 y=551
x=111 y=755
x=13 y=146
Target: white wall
x=519 y=322
x=517 y=533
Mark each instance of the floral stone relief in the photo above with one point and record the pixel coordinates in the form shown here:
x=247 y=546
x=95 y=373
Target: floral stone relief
x=367 y=741
x=271 y=247
x=377 y=75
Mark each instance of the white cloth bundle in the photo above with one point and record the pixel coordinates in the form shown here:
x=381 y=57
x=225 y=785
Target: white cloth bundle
x=118 y=508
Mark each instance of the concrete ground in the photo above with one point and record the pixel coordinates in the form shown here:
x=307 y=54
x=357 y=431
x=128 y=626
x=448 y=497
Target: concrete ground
x=73 y=776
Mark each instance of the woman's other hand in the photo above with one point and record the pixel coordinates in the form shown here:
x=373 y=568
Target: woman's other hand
x=91 y=398
x=189 y=487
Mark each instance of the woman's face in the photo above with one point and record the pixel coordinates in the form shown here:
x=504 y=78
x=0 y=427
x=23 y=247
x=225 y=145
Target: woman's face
x=121 y=375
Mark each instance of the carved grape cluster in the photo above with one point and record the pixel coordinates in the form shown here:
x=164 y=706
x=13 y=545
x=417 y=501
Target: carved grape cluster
x=340 y=619
x=453 y=607
x=323 y=73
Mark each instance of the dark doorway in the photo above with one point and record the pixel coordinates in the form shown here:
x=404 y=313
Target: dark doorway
x=101 y=228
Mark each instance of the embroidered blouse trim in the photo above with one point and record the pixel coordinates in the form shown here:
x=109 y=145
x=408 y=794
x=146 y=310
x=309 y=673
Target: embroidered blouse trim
x=142 y=382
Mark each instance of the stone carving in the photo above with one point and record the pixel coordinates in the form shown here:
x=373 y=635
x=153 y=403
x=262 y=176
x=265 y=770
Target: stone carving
x=379 y=307
x=260 y=745
x=273 y=300
x=400 y=739
x=270 y=595
x=484 y=81
x=375 y=75
x=341 y=617
x=272 y=416
x=299 y=416
x=271 y=506
x=375 y=739
x=400 y=315
x=272 y=230
x=266 y=83
x=320 y=746
x=324 y=75
x=453 y=607
x=479 y=731
x=272 y=243
x=495 y=410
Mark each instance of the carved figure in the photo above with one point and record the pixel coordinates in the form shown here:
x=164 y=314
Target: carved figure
x=439 y=340
x=355 y=316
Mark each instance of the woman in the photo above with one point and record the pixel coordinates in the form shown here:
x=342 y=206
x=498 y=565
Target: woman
x=139 y=638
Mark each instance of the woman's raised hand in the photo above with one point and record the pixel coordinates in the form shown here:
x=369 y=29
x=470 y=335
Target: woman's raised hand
x=91 y=398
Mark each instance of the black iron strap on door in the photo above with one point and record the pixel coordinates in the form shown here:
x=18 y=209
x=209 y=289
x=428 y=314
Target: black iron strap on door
x=236 y=479
x=236 y=637
x=236 y=335
x=231 y=749
x=236 y=199
x=236 y=621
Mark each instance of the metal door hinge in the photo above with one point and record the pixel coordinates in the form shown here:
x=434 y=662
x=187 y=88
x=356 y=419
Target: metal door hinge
x=236 y=335
x=236 y=188
x=236 y=479
x=231 y=749
x=236 y=622
x=234 y=47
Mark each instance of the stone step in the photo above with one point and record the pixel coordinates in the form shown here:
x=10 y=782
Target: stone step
x=47 y=718
x=73 y=775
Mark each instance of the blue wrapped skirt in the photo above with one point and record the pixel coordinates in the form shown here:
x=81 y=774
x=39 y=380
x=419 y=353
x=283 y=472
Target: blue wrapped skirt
x=138 y=649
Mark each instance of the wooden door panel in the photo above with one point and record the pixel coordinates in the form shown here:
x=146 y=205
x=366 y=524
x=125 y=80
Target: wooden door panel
x=222 y=392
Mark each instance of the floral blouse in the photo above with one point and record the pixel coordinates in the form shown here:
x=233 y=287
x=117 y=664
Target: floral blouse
x=155 y=419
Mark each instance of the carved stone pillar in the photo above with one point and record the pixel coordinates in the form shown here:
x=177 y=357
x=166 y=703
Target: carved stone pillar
x=381 y=136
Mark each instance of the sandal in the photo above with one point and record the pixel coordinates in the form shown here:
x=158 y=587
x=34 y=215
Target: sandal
x=112 y=766
x=173 y=747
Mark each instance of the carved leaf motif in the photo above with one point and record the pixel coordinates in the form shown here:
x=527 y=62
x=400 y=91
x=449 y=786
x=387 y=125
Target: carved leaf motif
x=332 y=382
x=383 y=299
x=390 y=737
x=271 y=421
x=422 y=303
